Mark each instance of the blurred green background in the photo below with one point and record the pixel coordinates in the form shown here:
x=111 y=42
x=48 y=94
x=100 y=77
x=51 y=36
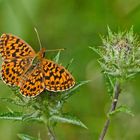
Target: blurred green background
x=75 y=25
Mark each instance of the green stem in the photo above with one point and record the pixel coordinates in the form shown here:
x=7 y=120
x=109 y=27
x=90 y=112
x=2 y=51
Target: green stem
x=50 y=129
x=117 y=91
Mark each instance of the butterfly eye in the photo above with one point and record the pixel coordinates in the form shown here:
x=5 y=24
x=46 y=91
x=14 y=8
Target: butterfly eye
x=43 y=54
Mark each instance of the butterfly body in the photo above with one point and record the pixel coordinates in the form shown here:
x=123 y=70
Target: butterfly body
x=30 y=71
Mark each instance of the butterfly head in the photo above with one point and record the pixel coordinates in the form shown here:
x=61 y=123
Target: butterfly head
x=41 y=53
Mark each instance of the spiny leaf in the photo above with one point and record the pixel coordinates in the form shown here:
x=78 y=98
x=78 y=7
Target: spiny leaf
x=16 y=92
x=67 y=118
x=69 y=64
x=131 y=31
x=79 y=84
x=26 y=137
x=110 y=34
x=119 y=109
x=17 y=116
x=12 y=101
x=72 y=91
x=131 y=35
x=109 y=84
x=56 y=58
x=95 y=50
x=34 y=116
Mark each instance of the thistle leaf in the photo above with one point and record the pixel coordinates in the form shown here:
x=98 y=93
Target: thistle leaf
x=95 y=50
x=109 y=84
x=72 y=91
x=26 y=137
x=69 y=64
x=67 y=118
x=119 y=109
x=110 y=34
x=12 y=101
x=56 y=58
x=34 y=116
x=16 y=116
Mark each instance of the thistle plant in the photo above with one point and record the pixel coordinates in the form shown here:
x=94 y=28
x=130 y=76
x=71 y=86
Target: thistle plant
x=119 y=61
x=46 y=108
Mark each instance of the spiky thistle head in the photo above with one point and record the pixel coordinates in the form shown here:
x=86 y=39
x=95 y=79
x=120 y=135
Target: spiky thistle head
x=120 y=54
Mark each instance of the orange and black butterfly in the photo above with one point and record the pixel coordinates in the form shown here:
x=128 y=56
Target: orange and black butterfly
x=31 y=71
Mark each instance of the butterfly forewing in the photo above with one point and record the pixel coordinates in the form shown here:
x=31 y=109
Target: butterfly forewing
x=17 y=57
x=12 y=47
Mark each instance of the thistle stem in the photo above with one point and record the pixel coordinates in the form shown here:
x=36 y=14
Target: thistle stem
x=51 y=134
x=117 y=91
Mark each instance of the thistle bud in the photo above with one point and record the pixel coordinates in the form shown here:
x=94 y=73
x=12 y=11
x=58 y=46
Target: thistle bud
x=120 y=54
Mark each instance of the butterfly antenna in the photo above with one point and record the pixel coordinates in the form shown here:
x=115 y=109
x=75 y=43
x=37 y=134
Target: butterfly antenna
x=62 y=49
x=38 y=38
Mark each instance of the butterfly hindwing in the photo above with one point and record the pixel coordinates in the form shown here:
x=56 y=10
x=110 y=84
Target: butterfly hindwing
x=56 y=77
x=12 y=70
x=32 y=83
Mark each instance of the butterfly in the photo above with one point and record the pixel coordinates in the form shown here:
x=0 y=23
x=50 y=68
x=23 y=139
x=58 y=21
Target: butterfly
x=31 y=71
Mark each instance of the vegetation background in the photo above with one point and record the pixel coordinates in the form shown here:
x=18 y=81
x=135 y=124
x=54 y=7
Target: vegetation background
x=75 y=25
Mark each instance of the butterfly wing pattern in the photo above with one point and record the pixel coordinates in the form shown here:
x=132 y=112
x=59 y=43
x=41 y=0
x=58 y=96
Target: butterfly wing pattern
x=56 y=77
x=32 y=79
x=33 y=82
x=17 y=56
x=12 y=70
x=12 y=47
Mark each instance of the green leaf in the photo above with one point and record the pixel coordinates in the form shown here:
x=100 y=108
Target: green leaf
x=27 y=137
x=119 y=109
x=131 y=35
x=79 y=84
x=110 y=34
x=109 y=84
x=69 y=64
x=34 y=116
x=67 y=118
x=95 y=50
x=56 y=58
x=17 y=116
x=16 y=92
x=12 y=101
x=72 y=91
